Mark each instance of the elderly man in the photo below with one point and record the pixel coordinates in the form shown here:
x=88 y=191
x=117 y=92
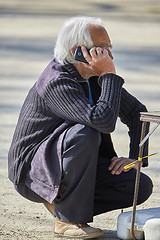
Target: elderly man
x=62 y=153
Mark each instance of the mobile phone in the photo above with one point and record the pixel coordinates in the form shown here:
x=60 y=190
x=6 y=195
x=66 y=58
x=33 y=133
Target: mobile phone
x=79 y=55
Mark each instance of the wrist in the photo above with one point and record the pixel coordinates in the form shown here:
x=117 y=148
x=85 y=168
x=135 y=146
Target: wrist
x=112 y=71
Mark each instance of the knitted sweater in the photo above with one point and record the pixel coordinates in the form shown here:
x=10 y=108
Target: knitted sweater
x=60 y=98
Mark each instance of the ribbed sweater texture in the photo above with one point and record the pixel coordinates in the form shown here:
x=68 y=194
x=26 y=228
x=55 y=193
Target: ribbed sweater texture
x=61 y=96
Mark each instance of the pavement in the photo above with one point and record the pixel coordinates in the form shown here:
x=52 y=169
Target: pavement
x=28 y=31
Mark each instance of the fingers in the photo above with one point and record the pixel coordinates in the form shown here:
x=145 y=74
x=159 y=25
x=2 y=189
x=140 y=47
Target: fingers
x=99 y=61
x=117 y=165
x=95 y=53
x=86 y=55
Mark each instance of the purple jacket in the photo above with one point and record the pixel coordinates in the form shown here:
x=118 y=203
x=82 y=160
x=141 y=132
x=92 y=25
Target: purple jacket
x=58 y=100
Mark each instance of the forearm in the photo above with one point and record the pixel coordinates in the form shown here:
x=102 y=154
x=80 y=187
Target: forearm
x=66 y=98
x=135 y=136
x=130 y=115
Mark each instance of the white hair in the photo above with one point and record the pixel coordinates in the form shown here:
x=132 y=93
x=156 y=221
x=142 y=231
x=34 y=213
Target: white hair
x=75 y=32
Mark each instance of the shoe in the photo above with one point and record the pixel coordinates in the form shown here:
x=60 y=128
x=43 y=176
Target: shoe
x=70 y=230
x=50 y=207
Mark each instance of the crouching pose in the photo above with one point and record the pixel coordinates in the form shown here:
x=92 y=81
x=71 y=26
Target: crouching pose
x=62 y=153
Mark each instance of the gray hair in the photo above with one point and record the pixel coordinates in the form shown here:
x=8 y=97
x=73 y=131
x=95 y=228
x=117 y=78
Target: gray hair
x=75 y=31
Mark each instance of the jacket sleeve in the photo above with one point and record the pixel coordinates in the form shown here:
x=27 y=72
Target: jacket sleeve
x=67 y=99
x=129 y=114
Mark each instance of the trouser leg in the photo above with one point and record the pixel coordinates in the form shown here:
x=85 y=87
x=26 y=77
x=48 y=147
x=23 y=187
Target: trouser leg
x=116 y=191
x=83 y=193
x=74 y=202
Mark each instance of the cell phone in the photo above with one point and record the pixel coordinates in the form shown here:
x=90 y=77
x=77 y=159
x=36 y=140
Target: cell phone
x=79 y=55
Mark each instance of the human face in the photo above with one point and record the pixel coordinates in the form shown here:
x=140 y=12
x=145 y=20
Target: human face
x=100 y=38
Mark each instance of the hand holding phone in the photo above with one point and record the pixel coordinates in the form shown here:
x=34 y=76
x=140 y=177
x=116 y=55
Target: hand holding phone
x=99 y=60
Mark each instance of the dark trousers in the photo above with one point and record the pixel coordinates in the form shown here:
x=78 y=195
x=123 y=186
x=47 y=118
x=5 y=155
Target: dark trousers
x=87 y=186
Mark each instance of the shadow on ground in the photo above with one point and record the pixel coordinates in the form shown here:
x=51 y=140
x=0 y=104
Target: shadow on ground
x=108 y=234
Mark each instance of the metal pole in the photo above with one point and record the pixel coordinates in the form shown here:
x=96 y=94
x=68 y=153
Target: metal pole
x=148 y=135
x=137 y=182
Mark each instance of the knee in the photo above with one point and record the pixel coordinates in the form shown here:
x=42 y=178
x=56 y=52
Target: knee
x=84 y=136
x=90 y=136
x=145 y=188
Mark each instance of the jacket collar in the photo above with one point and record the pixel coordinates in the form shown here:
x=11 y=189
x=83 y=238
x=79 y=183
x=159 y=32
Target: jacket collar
x=73 y=72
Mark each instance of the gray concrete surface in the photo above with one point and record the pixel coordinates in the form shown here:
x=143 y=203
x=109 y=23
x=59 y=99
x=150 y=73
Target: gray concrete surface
x=28 y=31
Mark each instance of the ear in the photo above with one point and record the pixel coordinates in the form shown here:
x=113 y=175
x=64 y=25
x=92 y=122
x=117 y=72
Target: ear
x=74 y=49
